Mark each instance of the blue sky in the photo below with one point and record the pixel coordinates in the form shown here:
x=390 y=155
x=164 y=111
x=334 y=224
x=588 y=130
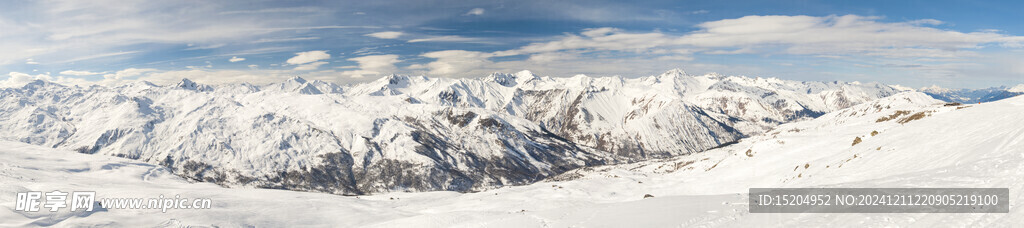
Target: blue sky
x=960 y=44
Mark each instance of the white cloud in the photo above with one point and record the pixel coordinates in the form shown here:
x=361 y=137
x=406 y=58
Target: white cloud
x=207 y=76
x=596 y=32
x=553 y=56
x=799 y=35
x=17 y=79
x=840 y=38
x=212 y=76
x=475 y=12
x=849 y=35
x=448 y=39
x=600 y=39
x=78 y=73
x=254 y=66
x=63 y=31
x=380 y=63
x=255 y=76
x=78 y=30
x=122 y=75
x=308 y=57
x=96 y=56
x=275 y=40
x=454 y=62
x=192 y=47
x=926 y=22
x=385 y=35
x=235 y=59
x=730 y=52
x=310 y=66
x=373 y=65
x=695 y=12
x=303 y=10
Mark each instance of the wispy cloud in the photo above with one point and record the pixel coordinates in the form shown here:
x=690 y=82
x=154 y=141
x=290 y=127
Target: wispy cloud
x=308 y=57
x=475 y=12
x=862 y=38
x=454 y=62
x=849 y=34
x=63 y=31
x=259 y=50
x=309 y=60
x=204 y=47
x=695 y=12
x=17 y=79
x=276 y=40
x=373 y=65
x=451 y=38
x=78 y=73
x=127 y=73
x=277 y=29
x=109 y=35
x=277 y=10
x=797 y=35
x=310 y=66
x=103 y=55
x=386 y=35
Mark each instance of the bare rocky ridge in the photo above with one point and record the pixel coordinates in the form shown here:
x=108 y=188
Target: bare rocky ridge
x=409 y=133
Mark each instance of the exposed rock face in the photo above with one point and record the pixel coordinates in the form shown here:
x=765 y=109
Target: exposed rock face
x=405 y=133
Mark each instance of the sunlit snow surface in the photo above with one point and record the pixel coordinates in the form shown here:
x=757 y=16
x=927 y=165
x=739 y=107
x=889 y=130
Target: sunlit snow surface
x=412 y=133
x=978 y=145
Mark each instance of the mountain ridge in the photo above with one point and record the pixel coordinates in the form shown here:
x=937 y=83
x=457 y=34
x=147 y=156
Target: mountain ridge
x=973 y=95
x=413 y=133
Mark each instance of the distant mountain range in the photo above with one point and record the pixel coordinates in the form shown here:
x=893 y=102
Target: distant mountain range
x=413 y=133
x=907 y=140
x=973 y=95
x=406 y=133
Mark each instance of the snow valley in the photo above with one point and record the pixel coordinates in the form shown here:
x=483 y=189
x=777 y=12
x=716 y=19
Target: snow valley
x=501 y=150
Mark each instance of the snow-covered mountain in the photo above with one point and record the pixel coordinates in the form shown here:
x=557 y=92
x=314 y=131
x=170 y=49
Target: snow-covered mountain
x=412 y=133
x=1017 y=89
x=973 y=95
x=970 y=146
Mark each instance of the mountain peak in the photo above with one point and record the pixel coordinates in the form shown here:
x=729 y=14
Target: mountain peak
x=38 y=83
x=509 y=80
x=186 y=83
x=395 y=79
x=309 y=89
x=715 y=76
x=297 y=79
x=674 y=72
x=525 y=76
x=671 y=75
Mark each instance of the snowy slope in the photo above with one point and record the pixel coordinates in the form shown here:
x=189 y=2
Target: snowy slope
x=972 y=146
x=25 y=167
x=949 y=146
x=412 y=133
